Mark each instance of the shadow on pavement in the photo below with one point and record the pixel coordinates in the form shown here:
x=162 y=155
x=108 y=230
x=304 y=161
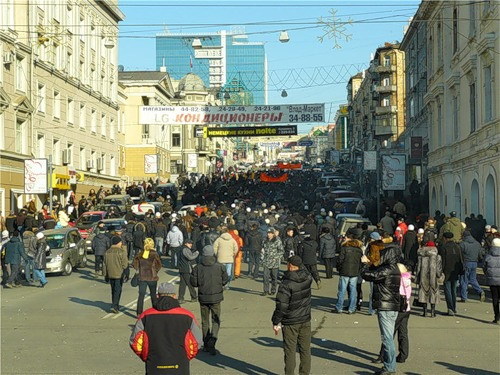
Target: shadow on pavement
x=247 y=291
x=89 y=275
x=100 y=304
x=222 y=361
x=322 y=303
x=465 y=370
x=472 y=318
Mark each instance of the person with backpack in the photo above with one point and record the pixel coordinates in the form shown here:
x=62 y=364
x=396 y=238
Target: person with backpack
x=327 y=248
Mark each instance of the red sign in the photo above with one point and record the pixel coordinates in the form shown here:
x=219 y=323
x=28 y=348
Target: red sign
x=289 y=165
x=264 y=177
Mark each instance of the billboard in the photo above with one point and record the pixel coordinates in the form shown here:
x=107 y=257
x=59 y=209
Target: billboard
x=393 y=172
x=192 y=160
x=370 y=160
x=232 y=114
x=35 y=176
x=251 y=131
x=151 y=163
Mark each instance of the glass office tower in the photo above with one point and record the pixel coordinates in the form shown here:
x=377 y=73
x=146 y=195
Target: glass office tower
x=222 y=59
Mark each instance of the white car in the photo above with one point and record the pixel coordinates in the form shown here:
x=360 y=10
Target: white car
x=142 y=208
x=185 y=209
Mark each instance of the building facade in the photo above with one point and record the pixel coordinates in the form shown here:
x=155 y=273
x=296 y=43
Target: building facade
x=59 y=95
x=462 y=97
x=218 y=58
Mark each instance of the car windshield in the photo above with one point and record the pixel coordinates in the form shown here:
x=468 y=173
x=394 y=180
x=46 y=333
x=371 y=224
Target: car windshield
x=88 y=220
x=55 y=241
x=110 y=227
x=115 y=201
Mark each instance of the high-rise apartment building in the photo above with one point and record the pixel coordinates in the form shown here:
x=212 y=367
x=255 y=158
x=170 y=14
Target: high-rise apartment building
x=220 y=59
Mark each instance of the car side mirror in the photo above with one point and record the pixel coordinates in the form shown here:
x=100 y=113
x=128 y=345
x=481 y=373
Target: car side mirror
x=72 y=245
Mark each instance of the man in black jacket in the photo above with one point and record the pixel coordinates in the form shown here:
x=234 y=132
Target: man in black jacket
x=253 y=246
x=210 y=278
x=308 y=250
x=161 y=232
x=453 y=267
x=166 y=337
x=386 y=279
x=290 y=242
x=187 y=258
x=293 y=315
x=348 y=265
x=100 y=243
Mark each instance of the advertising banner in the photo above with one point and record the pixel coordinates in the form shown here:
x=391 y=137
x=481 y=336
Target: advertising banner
x=393 y=172
x=305 y=143
x=251 y=131
x=264 y=177
x=35 y=176
x=151 y=163
x=370 y=160
x=192 y=160
x=232 y=114
x=290 y=165
x=270 y=144
x=416 y=149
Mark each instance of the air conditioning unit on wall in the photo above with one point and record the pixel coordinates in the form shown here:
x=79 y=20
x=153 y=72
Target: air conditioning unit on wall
x=66 y=156
x=100 y=164
x=90 y=164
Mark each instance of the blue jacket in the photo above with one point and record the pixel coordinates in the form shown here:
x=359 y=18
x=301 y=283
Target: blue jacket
x=471 y=249
x=491 y=266
x=14 y=251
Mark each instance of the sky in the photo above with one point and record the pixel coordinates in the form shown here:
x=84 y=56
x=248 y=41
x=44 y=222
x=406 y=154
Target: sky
x=292 y=66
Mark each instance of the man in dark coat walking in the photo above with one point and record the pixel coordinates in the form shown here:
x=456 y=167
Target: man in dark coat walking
x=410 y=245
x=253 y=246
x=14 y=252
x=453 y=267
x=100 y=244
x=40 y=259
x=293 y=315
x=471 y=252
x=187 y=258
x=308 y=250
x=210 y=278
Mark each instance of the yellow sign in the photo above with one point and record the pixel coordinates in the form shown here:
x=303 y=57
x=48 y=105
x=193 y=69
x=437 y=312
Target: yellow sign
x=60 y=181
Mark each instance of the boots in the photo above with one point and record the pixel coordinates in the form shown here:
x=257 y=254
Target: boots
x=433 y=310
x=424 y=313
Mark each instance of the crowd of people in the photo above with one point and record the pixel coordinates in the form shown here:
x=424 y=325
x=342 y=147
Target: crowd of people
x=236 y=218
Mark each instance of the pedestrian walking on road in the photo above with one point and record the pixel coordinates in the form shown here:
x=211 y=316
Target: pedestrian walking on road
x=100 y=244
x=115 y=261
x=453 y=267
x=14 y=252
x=386 y=278
x=429 y=270
x=166 y=337
x=147 y=264
x=40 y=258
x=187 y=258
x=471 y=252
x=209 y=277
x=308 y=251
x=327 y=248
x=253 y=246
x=226 y=248
x=293 y=315
x=387 y=223
x=175 y=239
x=272 y=253
x=491 y=267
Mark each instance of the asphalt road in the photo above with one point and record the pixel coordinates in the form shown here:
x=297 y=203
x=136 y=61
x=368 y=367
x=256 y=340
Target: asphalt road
x=65 y=328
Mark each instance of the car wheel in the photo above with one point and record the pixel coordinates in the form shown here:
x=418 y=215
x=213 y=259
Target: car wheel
x=67 y=268
x=83 y=263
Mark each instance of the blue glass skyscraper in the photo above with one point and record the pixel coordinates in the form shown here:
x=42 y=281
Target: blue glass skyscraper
x=222 y=59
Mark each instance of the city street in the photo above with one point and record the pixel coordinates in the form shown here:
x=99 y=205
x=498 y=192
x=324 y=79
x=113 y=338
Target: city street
x=65 y=328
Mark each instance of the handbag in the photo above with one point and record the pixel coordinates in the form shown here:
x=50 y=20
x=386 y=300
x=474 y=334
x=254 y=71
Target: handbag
x=135 y=280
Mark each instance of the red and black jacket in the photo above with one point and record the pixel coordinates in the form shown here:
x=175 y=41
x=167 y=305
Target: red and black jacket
x=166 y=338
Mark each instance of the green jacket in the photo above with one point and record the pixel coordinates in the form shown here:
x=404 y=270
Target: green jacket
x=453 y=225
x=115 y=261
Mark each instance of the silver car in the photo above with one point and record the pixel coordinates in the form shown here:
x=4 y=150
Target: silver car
x=67 y=251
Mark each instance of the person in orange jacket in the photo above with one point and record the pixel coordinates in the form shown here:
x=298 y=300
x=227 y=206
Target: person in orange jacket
x=239 y=255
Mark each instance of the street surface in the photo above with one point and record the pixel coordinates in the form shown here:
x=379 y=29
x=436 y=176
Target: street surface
x=65 y=328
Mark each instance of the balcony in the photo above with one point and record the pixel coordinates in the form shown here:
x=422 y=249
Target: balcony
x=385 y=88
x=385 y=69
x=385 y=130
x=386 y=110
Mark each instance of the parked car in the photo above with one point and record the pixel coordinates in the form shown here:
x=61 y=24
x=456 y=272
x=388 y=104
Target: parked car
x=111 y=225
x=122 y=202
x=344 y=194
x=346 y=205
x=67 y=251
x=86 y=221
x=350 y=222
x=340 y=217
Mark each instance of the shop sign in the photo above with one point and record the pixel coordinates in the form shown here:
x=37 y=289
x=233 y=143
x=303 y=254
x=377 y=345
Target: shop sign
x=35 y=176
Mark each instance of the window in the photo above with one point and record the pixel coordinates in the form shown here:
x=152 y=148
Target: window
x=1 y=62
x=83 y=158
x=69 y=67
x=57 y=105
x=439 y=124
x=386 y=81
x=56 y=151
x=21 y=137
x=488 y=94
x=455 y=30
x=386 y=102
x=455 y=117
x=103 y=125
x=412 y=107
x=439 y=44
x=103 y=163
x=112 y=129
x=176 y=140
x=2 y=131
x=93 y=121
x=7 y=14
x=69 y=151
x=430 y=54
x=93 y=158
x=41 y=105
x=112 y=166
x=71 y=111
x=40 y=145
x=387 y=60
x=21 y=77
x=472 y=19
x=472 y=105
x=82 y=116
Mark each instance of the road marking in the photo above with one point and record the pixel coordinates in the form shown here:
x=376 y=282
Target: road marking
x=133 y=304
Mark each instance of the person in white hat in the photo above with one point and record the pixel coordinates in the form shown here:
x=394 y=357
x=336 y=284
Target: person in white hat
x=41 y=258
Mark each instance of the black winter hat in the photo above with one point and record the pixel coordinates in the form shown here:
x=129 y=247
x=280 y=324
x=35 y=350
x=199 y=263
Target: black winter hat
x=295 y=260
